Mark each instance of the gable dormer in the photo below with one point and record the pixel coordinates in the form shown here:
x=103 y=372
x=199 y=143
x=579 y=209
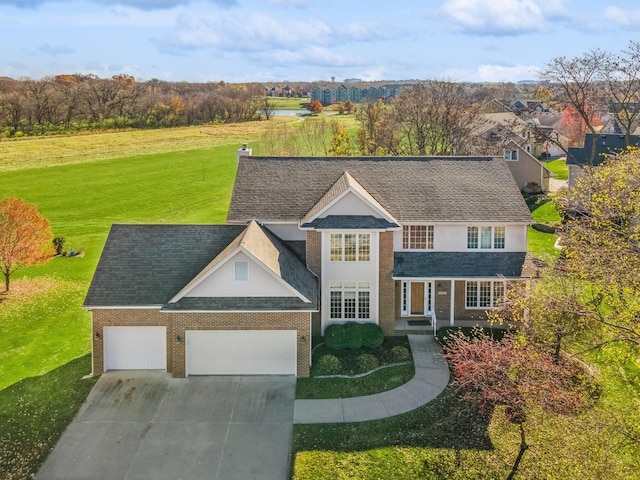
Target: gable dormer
x=347 y=204
x=253 y=265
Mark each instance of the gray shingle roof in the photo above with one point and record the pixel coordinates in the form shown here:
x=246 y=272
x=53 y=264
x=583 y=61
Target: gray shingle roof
x=146 y=265
x=409 y=188
x=248 y=304
x=458 y=264
x=605 y=145
x=350 y=222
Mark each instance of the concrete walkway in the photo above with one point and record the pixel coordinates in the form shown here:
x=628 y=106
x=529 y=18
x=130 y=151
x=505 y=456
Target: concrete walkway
x=430 y=379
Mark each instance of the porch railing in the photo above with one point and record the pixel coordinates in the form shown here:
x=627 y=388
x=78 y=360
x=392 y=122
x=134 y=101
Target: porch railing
x=433 y=322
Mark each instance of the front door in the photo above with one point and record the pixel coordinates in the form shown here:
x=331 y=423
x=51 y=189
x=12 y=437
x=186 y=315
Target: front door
x=421 y=298
x=417 y=298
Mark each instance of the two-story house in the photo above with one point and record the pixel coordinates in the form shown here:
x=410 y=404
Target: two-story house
x=409 y=243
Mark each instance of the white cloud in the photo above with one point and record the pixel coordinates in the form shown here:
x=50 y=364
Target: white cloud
x=314 y=56
x=373 y=74
x=494 y=73
x=629 y=19
x=257 y=32
x=504 y=17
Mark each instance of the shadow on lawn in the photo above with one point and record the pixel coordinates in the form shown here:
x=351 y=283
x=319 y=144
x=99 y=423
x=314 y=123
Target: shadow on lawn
x=35 y=411
x=446 y=422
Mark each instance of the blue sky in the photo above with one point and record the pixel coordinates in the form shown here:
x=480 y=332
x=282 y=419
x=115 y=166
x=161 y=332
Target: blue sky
x=306 y=40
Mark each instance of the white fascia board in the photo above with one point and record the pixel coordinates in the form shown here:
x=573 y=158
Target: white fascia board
x=378 y=208
x=461 y=279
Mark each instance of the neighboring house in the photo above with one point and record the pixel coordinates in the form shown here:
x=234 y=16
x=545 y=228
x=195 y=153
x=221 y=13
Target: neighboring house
x=408 y=243
x=579 y=158
x=507 y=135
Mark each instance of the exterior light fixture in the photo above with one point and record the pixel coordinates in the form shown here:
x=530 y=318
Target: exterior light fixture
x=97 y=336
x=178 y=339
x=302 y=339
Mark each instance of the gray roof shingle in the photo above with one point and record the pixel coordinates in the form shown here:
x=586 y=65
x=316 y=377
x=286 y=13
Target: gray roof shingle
x=459 y=264
x=350 y=222
x=606 y=144
x=147 y=265
x=409 y=188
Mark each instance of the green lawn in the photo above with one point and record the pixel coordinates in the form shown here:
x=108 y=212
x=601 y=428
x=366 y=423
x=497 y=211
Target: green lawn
x=540 y=244
x=559 y=168
x=82 y=201
x=379 y=381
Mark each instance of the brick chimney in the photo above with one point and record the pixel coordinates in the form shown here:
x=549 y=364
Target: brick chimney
x=245 y=151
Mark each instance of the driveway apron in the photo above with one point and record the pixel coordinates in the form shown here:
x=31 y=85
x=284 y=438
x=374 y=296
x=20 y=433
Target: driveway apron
x=147 y=425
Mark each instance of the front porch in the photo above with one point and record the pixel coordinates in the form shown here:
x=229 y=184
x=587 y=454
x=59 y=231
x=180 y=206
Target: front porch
x=425 y=325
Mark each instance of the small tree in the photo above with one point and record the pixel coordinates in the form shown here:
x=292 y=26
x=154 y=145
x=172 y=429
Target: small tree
x=340 y=141
x=25 y=237
x=314 y=106
x=512 y=373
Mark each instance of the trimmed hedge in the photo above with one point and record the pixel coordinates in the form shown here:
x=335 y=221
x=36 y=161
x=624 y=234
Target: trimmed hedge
x=367 y=362
x=372 y=336
x=353 y=332
x=400 y=354
x=335 y=337
x=353 y=336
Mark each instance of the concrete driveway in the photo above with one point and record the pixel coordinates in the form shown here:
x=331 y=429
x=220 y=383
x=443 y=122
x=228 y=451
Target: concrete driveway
x=147 y=425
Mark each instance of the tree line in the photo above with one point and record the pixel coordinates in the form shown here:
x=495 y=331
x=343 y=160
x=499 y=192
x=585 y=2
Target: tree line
x=68 y=103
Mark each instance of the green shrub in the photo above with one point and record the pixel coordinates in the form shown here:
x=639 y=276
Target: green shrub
x=399 y=354
x=366 y=363
x=353 y=333
x=335 y=337
x=327 y=365
x=372 y=336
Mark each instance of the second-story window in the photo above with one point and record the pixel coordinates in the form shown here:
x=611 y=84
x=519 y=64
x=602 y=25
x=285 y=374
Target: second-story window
x=486 y=237
x=350 y=247
x=510 y=154
x=417 y=237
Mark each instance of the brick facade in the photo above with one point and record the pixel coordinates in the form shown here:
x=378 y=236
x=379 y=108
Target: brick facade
x=386 y=285
x=314 y=263
x=178 y=323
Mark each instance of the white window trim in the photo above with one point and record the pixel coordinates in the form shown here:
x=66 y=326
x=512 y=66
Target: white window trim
x=342 y=244
x=242 y=267
x=492 y=246
x=428 y=227
x=356 y=288
x=492 y=305
x=508 y=155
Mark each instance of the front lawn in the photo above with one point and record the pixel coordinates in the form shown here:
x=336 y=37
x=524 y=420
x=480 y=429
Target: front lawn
x=381 y=380
x=449 y=439
x=35 y=411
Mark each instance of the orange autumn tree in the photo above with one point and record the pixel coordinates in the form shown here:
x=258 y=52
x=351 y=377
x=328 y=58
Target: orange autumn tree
x=25 y=237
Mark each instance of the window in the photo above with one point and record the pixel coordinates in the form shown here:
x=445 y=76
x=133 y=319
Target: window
x=349 y=300
x=350 y=247
x=472 y=237
x=241 y=270
x=486 y=238
x=498 y=237
x=417 y=237
x=484 y=294
x=510 y=154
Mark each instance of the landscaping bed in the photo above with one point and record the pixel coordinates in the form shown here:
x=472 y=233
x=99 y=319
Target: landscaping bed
x=352 y=362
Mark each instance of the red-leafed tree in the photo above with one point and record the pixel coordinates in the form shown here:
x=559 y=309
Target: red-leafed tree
x=25 y=237
x=314 y=106
x=573 y=125
x=515 y=374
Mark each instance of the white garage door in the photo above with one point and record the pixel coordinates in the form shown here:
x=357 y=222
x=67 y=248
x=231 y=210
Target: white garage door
x=135 y=348
x=241 y=352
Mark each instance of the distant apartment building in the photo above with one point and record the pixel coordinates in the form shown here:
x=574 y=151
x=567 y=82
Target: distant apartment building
x=331 y=93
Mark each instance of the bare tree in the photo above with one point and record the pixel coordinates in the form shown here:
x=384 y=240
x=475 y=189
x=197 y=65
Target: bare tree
x=622 y=76
x=579 y=82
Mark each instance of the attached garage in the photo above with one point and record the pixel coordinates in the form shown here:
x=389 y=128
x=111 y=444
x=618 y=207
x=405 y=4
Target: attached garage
x=135 y=348
x=241 y=352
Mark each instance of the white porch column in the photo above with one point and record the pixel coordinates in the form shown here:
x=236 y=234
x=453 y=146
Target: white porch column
x=452 y=302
